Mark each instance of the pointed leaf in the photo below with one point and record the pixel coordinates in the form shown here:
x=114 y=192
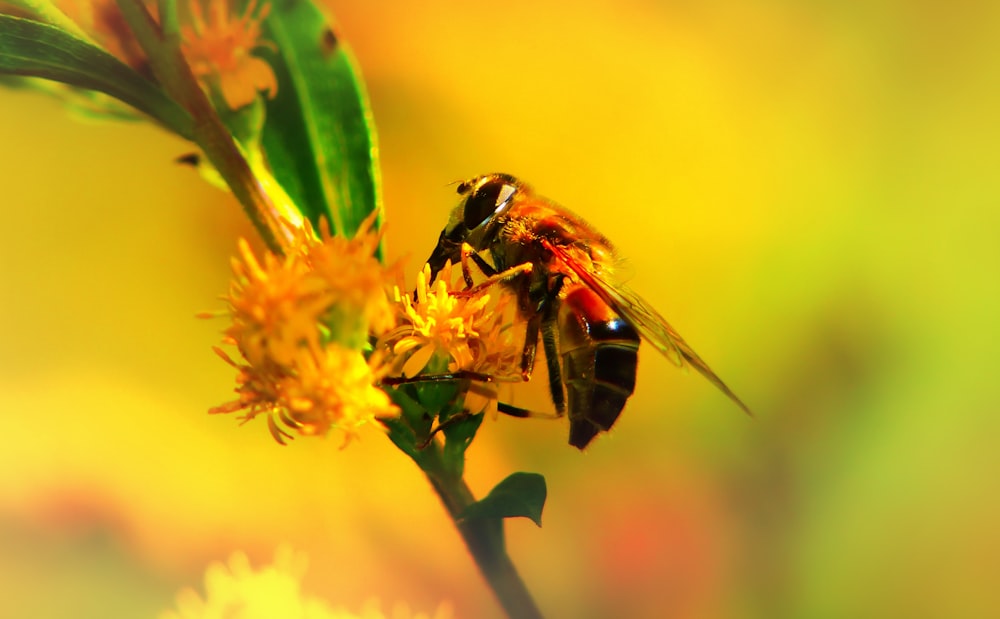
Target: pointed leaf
x=319 y=137
x=520 y=495
x=34 y=49
x=411 y=428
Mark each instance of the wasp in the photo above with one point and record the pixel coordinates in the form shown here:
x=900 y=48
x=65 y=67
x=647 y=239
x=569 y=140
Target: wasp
x=590 y=324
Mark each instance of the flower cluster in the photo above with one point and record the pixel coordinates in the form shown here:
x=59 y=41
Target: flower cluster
x=218 y=42
x=300 y=322
x=447 y=331
x=237 y=591
x=219 y=47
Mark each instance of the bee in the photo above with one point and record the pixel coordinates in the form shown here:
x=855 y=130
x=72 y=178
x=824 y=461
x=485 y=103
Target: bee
x=590 y=324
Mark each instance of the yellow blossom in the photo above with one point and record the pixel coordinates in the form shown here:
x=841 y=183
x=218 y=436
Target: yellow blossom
x=444 y=331
x=334 y=389
x=218 y=45
x=360 y=280
x=235 y=590
x=329 y=289
x=329 y=388
x=300 y=322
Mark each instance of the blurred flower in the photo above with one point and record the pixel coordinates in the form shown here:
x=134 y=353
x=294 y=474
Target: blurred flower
x=445 y=331
x=102 y=20
x=300 y=322
x=237 y=591
x=218 y=44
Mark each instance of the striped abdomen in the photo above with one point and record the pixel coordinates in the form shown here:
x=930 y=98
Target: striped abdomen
x=599 y=358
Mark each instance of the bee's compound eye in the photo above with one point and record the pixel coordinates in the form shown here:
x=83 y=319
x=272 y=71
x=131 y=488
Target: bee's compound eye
x=485 y=201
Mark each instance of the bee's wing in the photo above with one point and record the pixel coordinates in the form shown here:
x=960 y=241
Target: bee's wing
x=650 y=324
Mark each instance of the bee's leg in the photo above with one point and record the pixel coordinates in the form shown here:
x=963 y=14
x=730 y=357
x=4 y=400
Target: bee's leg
x=438 y=378
x=523 y=413
x=548 y=310
x=485 y=267
x=496 y=278
x=530 y=346
x=550 y=342
x=456 y=418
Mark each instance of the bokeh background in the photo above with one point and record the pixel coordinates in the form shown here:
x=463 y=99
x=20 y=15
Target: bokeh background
x=808 y=190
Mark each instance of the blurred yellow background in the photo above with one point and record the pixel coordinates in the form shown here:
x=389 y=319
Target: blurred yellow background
x=809 y=191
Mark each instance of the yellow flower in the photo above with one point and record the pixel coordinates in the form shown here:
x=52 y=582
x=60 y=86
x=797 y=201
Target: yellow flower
x=218 y=45
x=332 y=289
x=444 y=331
x=329 y=388
x=333 y=389
x=237 y=591
x=300 y=322
x=349 y=266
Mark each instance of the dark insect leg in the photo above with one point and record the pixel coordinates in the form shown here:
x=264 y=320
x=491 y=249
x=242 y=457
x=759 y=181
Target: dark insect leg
x=548 y=309
x=523 y=413
x=530 y=346
x=551 y=345
x=493 y=280
x=485 y=267
x=438 y=378
x=456 y=418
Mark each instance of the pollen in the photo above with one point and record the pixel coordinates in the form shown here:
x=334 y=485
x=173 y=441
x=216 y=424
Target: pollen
x=219 y=46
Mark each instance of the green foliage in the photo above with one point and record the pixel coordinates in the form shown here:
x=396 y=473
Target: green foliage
x=33 y=49
x=410 y=430
x=319 y=137
x=519 y=495
x=316 y=135
x=427 y=408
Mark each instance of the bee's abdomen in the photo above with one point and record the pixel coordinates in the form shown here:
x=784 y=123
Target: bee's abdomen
x=599 y=359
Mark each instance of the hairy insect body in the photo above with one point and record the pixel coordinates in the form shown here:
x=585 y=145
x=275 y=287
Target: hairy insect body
x=588 y=323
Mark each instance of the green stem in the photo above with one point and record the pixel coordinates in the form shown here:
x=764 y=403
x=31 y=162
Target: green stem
x=482 y=536
x=173 y=72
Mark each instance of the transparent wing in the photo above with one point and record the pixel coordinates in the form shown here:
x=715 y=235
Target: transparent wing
x=653 y=327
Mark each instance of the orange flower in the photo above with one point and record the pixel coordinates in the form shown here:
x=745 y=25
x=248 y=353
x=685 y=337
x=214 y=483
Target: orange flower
x=320 y=390
x=445 y=332
x=219 y=45
x=300 y=323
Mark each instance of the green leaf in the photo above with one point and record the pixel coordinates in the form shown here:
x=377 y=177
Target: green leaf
x=458 y=434
x=402 y=436
x=34 y=49
x=319 y=137
x=520 y=495
x=412 y=427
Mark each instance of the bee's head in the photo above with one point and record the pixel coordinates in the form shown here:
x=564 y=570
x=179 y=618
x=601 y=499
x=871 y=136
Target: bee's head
x=474 y=220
